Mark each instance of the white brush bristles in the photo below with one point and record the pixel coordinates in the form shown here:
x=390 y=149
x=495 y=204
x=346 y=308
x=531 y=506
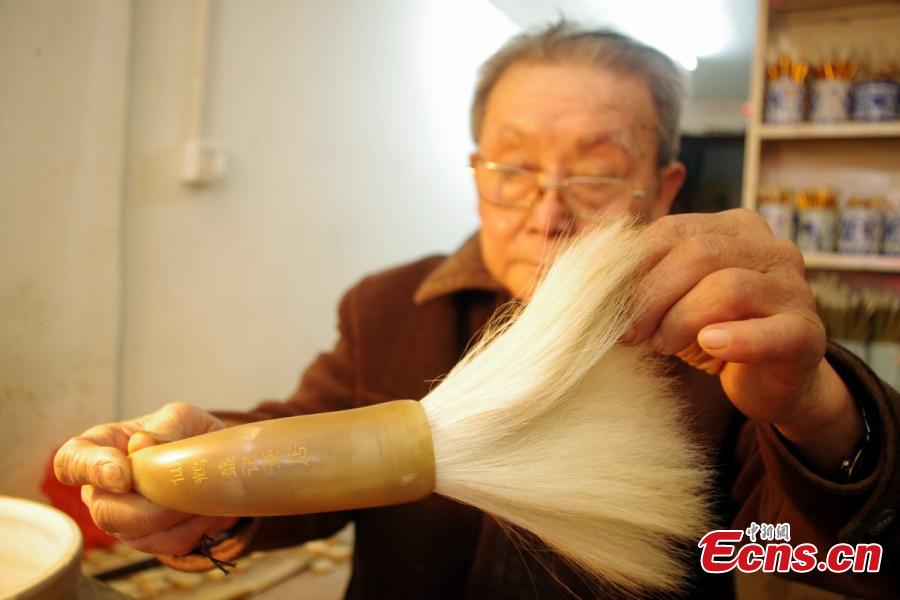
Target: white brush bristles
x=553 y=427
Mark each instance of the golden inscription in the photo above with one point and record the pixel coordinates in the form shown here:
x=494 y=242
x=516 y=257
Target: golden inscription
x=248 y=466
x=176 y=474
x=198 y=469
x=227 y=467
x=271 y=460
x=297 y=453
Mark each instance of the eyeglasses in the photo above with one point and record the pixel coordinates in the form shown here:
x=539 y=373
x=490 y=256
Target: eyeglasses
x=586 y=197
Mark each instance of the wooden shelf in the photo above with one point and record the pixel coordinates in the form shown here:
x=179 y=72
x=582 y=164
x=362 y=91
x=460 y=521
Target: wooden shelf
x=818 y=5
x=875 y=263
x=807 y=131
x=851 y=157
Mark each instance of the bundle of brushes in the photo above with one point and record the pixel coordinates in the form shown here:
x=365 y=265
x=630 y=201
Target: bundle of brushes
x=885 y=310
x=548 y=424
x=856 y=313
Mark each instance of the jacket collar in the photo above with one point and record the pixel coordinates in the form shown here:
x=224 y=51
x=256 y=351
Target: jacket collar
x=462 y=270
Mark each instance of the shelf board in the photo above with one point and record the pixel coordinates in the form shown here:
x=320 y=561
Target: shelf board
x=851 y=262
x=804 y=131
x=818 y=5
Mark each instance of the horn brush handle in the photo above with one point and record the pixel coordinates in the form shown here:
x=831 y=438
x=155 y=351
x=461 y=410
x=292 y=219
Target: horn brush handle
x=359 y=458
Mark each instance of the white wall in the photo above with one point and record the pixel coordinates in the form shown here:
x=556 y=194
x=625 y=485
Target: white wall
x=63 y=68
x=121 y=288
x=346 y=128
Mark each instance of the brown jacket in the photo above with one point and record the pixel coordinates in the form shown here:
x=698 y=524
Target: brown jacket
x=403 y=328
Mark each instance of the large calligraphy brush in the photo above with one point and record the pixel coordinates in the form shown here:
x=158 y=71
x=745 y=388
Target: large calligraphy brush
x=548 y=424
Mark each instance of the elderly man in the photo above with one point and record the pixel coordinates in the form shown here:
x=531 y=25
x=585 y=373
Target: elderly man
x=569 y=125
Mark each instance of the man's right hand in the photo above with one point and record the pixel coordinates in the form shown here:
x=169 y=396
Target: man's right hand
x=97 y=460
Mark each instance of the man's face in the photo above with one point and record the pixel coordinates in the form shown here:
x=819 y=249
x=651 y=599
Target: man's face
x=565 y=120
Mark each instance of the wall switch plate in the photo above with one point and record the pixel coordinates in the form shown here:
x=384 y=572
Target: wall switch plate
x=202 y=162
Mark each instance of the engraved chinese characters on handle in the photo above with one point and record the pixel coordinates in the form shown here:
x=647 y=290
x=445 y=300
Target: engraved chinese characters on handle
x=371 y=456
x=268 y=460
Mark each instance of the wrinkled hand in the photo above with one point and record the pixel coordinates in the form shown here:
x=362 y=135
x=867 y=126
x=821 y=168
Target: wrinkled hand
x=726 y=283
x=97 y=460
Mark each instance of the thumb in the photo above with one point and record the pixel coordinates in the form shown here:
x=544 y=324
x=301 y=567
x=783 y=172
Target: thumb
x=782 y=338
x=174 y=421
x=144 y=439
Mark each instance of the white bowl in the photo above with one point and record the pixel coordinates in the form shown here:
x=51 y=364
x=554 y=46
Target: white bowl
x=40 y=553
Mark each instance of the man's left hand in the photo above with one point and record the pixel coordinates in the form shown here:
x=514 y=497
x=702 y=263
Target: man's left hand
x=727 y=283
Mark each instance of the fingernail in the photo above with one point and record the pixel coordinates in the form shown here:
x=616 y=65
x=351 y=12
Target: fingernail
x=713 y=339
x=112 y=474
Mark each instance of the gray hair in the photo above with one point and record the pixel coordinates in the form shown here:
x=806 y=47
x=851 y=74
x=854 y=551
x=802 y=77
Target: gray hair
x=564 y=41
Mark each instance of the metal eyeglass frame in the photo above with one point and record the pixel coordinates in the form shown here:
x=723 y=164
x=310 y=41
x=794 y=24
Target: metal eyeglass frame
x=531 y=199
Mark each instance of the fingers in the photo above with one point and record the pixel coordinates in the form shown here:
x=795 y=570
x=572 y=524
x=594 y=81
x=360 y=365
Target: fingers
x=725 y=295
x=98 y=456
x=174 y=421
x=786 y=338
x=97 y=461
x=146 y=526
x=95 y=458
x=129 y=515
x=144 y=439
x=685 y=253
x=667 y=232
x=771 y=364
x=181 y=538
